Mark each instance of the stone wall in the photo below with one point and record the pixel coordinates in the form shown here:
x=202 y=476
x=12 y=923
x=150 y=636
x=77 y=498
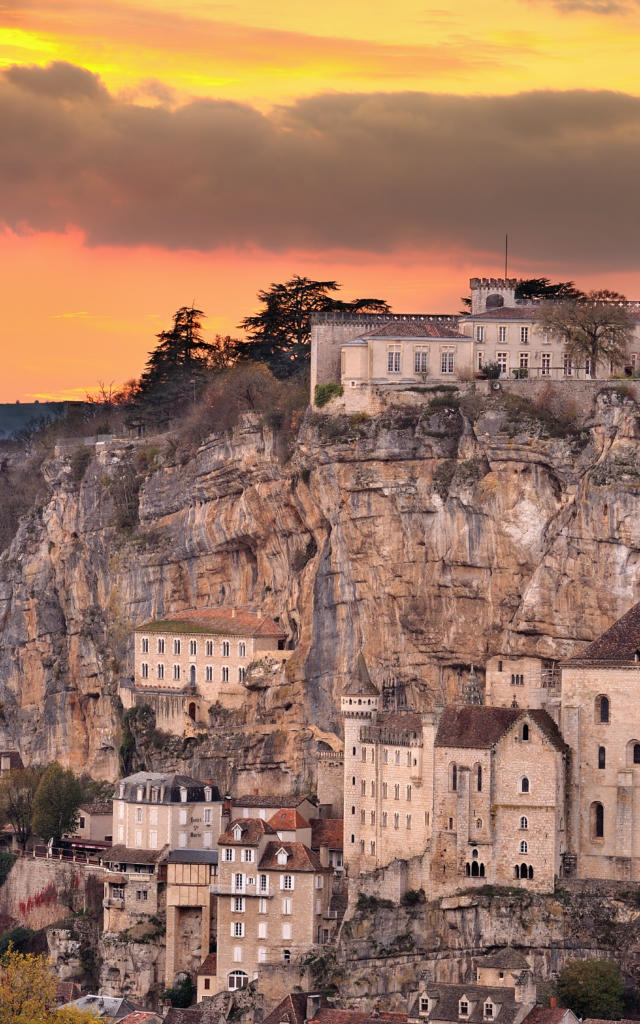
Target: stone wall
x=38 y=892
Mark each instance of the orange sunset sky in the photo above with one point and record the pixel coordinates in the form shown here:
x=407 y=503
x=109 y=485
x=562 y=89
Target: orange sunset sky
x=155 y=154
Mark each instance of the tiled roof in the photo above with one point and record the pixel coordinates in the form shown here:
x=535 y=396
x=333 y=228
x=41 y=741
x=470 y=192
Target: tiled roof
x=300 y=858
x=415 y=329
x=479 y=727
x=252 y=831
x=292 y=1010
x=67 y=990
x=327 y=832
x=289 y=819
x=141 y=1017
x=618 y=645
x=226 y=621
x=400 y=721
x=507 y=959
x=601 y=1020
x=448 y=999
x=360 y=683
x=124 y=855
x=526 y=313
x=209 y=965
x=255 y=800
x=195 y=1015
x=546 y=1015
x=330 y=1015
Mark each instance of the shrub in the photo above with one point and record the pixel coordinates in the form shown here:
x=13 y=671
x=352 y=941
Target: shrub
x=446 y=401
x=181 y=995
x=592 y=988
x=491 y=370
x=7 y=860
x=325 y=392
x=414 y=896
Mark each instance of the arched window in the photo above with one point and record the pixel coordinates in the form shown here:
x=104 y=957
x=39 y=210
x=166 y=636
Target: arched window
x=475 y=869
x=524 y=823
x=530 y=871
x=525 y=732
x=602 y=757
x=516 y=871
x=478 y=823
x=192 y=711
x=479 y=778
x=524 y=871
x=482 y=871
x=602 y=709
x=467 y=869
x=636 y=753
x=524 y=848
x=286 y=956
x=454 y=777
x=597 y=820
x=524 y=784
x=633 y=753
x=474 y=855
x=237 y=979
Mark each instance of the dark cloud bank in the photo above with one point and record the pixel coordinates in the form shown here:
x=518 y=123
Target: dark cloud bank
x=559 y=171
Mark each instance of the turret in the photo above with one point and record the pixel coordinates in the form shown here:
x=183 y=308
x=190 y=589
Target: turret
x=360 y=697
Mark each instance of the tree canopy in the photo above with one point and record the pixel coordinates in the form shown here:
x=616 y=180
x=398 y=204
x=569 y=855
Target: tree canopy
x=280 y=334
x=17 y=792
x=56 y=803
x=532 y=289
x=592 y=988
x=596 y=327
x=27 y=992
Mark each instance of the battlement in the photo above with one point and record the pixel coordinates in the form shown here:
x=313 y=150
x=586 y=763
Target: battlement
x=390 y=737
x=492 y=282
x=364 y=319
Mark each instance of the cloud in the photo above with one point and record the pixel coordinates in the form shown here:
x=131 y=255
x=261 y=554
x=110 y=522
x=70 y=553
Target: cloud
x=354 y=172
x=606 y=7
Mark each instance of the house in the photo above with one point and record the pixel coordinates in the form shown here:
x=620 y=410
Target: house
x=206 y=977
x=134 y=886
x=260 y=806
x=192 y=660
x=95 y=826
x=191 y=899
x=327 y=839
x=156 y=809
x=274 y=901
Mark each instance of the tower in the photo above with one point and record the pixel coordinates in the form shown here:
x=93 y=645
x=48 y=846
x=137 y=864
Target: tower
x=359 y=705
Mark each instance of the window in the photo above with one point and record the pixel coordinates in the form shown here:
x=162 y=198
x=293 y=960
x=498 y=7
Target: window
x=502 y=334
x=409 y=822
x=247 y=856
x=480 y=360
x=363 y=817
x=286 y=955
x=587 y=367
x=385 y=790
x=286 y=931
x=396 y=791
x=447 y=362
x=193 y=647
x=451 y=824
x=453 y=777
x=517 y=679
x=363 y=754
x=319 y=883
x=420 y=360
x=524 y=335
x=385 y=756
x=262 y=905
x=393 y=359
x=225 y=674
x=384 y=819
x=228 y=853
x=161 y=645
x=524 y=847
x=463 y=1008
x=242 y=672
x=546 y=364
x=226 y=647
x=144 y=668
x=636 y=753
x=501 y=360
x=263 y=883
x=479 y=333
x=182 y=840
x=372 y=848
x=282 y=856
x=286 y=906
x=524 y=360
x=373 y=817
x=160 y=670
x=488 y=1007
x=142 y=894
x=396 y=821
x=363 y=787
x=597 y=820
x=409 y=794
x=479 y=778
x=286 y=882
x=242 y=649
x=145 y=645
x=237 y=929
x=176 y=647
x=362 y=846
x=478 y=823
x=153 y=839
x=262 y=954
x=525 y=733
x=567 y=366
x=373 y=789
x=208 y=673
x=238 y=882
x=524 y=784
x=602 y=709
x=237 y=979
x=117 y=892
x=138 y=814
x=208 y=648
x=602 y=757
x=408 y=758
x=524 y=823
x=424 y=1004
x=176 y=671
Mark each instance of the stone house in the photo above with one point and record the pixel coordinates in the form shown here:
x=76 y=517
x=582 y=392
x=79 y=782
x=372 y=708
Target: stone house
x=206 y=977
x=273 y=904
x=193 y=660
x=257 y=805
x=152 y=810
x=191 y=899
x=134 y=886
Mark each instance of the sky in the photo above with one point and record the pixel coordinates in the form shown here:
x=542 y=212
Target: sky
x=154 y=154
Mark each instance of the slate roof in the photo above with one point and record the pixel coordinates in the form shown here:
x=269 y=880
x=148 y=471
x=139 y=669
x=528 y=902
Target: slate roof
x=209 y=965
x=141 y=1017
x=506 y=959
x=255 y=800
x=327 y=832
x=300 y=858
x=252 y=831
x=288 y=819
x=478 y=727
x=448 y=997
x=124 y=855
x=360 y=683
x=97 y=808
x=617 y=645
x=172 y=784
x=225 y=621
x=415 y=329
x=193 y=857
x=527 y=312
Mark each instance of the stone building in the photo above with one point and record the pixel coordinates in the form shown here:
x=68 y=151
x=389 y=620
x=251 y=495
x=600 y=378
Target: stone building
x=193 y=660
x=152 y=810
x=191 y=898
x=134 y=887
x=273 y=904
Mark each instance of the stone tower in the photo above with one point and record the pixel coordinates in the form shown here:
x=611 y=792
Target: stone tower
x=359 y=705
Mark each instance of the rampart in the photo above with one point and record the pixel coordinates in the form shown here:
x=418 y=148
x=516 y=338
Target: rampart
x=39 y=892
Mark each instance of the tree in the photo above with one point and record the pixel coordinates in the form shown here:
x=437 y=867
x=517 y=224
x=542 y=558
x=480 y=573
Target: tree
x=597 y=327
x=179 y=359
x=533 y=289
x=592 y=988
x=27 y=992
x=56 y=803
x=17 y=791
x=279 y=335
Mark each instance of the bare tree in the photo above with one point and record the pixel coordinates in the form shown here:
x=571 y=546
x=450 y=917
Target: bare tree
x=597 y=327
x=17 y=790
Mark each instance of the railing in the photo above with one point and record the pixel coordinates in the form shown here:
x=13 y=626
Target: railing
x=58 y=853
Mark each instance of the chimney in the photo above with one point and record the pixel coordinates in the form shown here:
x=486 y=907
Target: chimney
x=313 y=1005
x=553 y=1002
x=324 y=856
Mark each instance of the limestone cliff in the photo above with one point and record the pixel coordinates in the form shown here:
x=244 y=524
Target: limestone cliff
x=429 y=537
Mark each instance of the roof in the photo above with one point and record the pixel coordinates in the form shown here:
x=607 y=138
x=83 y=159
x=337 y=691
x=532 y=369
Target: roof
x=448 y=998
x=292 y=1010
x=141 y=1017
x=289 y=819
x=107 y=1007
x=254 y=800
x=327 y=832
x=528 y=312
x=400 y=721
x=478 y=727
x=193 y=857
x=209 y=965
x=617 y=645
x=97 y=808
x=67 y=990
x=170 y=787
x=299 y=857
x=225 y=621
x=360 y=683
x=124 y=855
x=195 y=1015
x=547 y=1015
x=505 y=959
x=415 y=329
x=252 y=831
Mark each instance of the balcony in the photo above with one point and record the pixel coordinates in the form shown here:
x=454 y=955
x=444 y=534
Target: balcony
x=113 y=902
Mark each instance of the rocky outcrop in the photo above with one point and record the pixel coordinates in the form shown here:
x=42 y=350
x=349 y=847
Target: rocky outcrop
x=428 y=537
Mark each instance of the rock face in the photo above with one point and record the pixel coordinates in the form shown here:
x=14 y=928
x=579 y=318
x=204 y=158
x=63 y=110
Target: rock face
x=429 y=538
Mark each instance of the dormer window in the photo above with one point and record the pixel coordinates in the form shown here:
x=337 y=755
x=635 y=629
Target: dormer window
x=140 y=793
x=463 y=1008
x=208 y=793
x=488 y=1010
x=237 y=832
x=282 y=856
x=183 y=795
x=424 y=1004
